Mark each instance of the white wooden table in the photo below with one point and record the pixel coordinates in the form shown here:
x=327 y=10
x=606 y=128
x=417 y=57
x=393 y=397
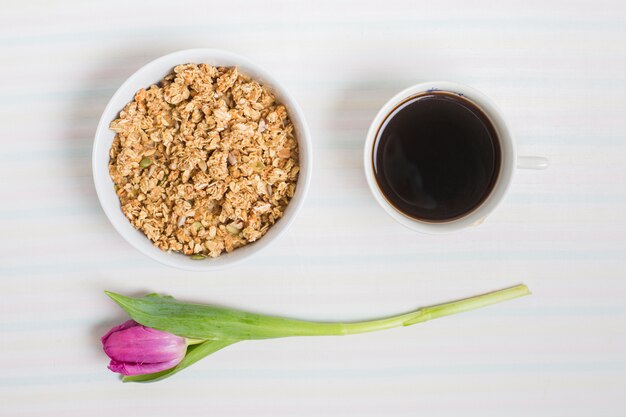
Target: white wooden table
x=556 y=68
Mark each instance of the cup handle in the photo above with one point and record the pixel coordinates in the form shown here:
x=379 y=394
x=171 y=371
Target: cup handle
x=532 y=162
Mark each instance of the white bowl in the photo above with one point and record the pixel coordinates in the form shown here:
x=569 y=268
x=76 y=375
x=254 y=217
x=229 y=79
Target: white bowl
x=150 y=74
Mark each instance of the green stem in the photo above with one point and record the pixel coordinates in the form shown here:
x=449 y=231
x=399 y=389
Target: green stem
x=424 y=313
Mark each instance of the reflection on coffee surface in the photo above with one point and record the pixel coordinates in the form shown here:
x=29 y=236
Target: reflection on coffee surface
x=436 y=157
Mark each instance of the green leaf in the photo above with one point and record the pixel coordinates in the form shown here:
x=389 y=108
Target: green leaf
x=156 y=295
x=197 y=321
x=205 y=322
x=194 y=354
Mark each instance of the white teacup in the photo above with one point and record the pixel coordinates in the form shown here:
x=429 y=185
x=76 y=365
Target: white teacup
x=508 y=155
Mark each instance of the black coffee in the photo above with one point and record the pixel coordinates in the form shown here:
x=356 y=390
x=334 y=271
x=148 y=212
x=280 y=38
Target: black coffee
x=437 y=157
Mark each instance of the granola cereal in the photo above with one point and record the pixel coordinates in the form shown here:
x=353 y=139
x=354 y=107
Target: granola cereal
x=204 y=162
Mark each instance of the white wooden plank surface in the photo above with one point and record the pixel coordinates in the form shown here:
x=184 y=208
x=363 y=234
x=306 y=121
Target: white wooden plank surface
x=556 y=68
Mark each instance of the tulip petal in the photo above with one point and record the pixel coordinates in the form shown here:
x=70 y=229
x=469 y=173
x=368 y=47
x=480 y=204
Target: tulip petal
x=130 y=368
x=123 y=326
x=142 y=344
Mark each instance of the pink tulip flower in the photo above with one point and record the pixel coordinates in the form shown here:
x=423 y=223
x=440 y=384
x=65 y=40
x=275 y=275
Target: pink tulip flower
x=136 y=350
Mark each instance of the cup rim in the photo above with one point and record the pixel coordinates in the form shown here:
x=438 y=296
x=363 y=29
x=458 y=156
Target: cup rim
x=147 y=75
x=507 y=166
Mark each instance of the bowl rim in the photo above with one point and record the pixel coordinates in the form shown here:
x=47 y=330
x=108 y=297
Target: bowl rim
x=294 y=206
